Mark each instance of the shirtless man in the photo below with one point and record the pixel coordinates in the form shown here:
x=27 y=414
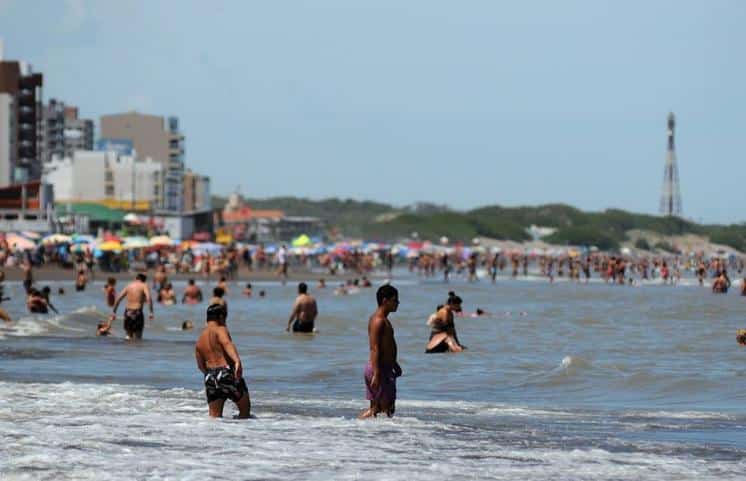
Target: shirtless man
x=303 y=315
x=137 y=294
x=110 y=291
x=80 y=281
x=192 y=293
x=218 y=360
x=382 y=368
x=443 y=336
x=160 y=278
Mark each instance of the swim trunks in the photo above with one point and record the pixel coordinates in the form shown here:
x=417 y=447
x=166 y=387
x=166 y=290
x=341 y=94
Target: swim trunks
x=220 y=383
x=302 y=326
x=134 y=320
x=386 y=386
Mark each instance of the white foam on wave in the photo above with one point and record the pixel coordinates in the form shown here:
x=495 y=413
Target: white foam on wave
x=112 y=432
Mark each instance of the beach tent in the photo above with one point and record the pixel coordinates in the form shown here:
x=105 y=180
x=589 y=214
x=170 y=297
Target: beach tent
x=301 y=241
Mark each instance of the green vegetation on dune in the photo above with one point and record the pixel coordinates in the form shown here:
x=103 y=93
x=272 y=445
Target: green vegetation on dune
x=606 y=230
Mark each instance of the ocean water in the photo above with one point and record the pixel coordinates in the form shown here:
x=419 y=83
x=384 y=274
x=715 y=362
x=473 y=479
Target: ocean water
x=561 y=382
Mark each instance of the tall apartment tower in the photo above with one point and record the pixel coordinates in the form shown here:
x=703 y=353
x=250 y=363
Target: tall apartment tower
x=63 y=132
x=20 y=123
x=671 y=193
x=154 y=137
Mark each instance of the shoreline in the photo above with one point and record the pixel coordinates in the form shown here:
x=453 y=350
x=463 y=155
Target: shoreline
x=55 y=273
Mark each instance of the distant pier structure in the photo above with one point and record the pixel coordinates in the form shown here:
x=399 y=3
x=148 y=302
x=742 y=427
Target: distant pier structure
x=671 y=194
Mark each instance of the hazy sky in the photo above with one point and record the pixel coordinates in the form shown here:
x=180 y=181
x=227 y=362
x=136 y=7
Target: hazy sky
x=459 y=102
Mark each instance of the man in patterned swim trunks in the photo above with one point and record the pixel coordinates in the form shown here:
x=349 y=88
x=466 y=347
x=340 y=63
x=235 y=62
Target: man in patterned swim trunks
x=137 y=294
x=218 y=360
x=382 y=368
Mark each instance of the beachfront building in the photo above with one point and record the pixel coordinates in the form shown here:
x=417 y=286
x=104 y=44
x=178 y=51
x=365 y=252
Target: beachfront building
x=25 y=203
x=107 y=178
x=20 y=122
x=153 y=137
x=63 y=131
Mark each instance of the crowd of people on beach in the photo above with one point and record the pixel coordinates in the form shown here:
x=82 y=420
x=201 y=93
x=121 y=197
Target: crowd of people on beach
x=218 y=359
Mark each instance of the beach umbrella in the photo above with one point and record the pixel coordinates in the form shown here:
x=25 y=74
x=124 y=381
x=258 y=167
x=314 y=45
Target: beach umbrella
x=34 y=236
x=78 y=248
x=109 y=237
x=161 y=240
x=131 y=218
x=110 y=246
x=17 y=242
x=82 y=239
x=207 y=247
x=301 y=241
x=56 y=239
x=135 y=242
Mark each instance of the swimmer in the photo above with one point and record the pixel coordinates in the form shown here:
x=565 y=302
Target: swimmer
x=382 y=368
x=80 y=281
x=220 y=364
x=223 y=284
x=741 y=336
x=46 y=292
x=167 y=296
x=137 y=294
x=341 y=290
x=366 y=283
x=187 y=326
x=303 y=316
x=103 y=329
x=262 y=293
x=61 y=291
x=35 y=302
x=5 y=316
x=247 y=290
x=321 y=284
x=443 y=337
x=192 y=293
x=478 y=313
x=110 y=291
x=217 y=297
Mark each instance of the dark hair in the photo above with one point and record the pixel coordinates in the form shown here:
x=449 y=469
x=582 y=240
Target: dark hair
x=479 y=312
x=222 y=278
x=386 y=291
x=218 y=292
x=191 y=282
x=439 y=307
x=141 y=277
x=454 y=300
x=451 y=293
x=248 y=285
x=46 y=289
x=302 y=288
x=111 y=281
x=216 y=312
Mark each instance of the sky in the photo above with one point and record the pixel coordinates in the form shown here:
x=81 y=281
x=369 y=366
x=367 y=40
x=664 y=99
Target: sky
x=464 y=103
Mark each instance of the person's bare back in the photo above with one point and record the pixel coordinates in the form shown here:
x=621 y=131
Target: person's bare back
x=303 y=316
x=218 y=360
x=137 y=294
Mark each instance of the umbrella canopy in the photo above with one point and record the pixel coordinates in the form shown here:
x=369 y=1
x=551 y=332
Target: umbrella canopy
x=207 y=247
x=135 y=242
x=31 y=235
x=56 y=239
x=110 y=246
x=83 y=239
x=109 y=237
x=17 y=242
x=301 y=241
x=161 y=240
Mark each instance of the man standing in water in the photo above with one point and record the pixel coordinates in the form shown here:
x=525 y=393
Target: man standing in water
x=382 y=368
x=218 y=360
x=137 y=294
x=303 y=315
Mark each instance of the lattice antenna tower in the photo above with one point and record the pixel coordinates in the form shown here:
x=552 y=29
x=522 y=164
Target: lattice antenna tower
x=671 y=194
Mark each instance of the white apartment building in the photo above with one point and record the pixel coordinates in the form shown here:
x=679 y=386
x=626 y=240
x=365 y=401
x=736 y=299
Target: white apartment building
x=106 y=177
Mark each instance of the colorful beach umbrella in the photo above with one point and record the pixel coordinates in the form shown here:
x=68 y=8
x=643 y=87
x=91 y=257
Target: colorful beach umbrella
x=110 y=246
x=56 y=239
x=16 y=241
x=161 y=241
x=301 y=241
x=135 y=242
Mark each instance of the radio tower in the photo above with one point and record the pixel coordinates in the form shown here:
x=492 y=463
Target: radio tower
x=671 y=195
